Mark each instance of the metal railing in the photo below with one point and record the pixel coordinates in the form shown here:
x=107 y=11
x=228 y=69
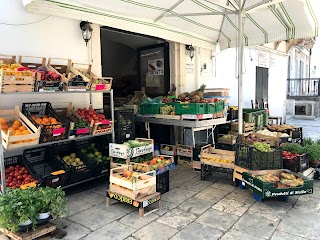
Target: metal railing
x=303 y=87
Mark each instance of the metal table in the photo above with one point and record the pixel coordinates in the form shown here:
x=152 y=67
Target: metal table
x=195 y=126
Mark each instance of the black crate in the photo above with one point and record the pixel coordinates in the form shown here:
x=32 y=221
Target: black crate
x=163 y=182
x=49 y=86
x=77 y=173
x=14 y=160
x=124 y=125
x=41 y=164
x=232 y=114
x=49 y=132
x=297 y=164
x=98 y=168
x=294 y=133
x=225 y=146
x=250 y=158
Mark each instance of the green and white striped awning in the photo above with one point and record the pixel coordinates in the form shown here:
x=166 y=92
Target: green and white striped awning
x=199 y=22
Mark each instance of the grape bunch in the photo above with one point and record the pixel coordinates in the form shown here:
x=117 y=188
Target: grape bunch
x=263 y=147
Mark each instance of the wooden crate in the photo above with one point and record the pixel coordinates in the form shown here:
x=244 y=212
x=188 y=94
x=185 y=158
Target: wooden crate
x=185 y=151
x=106 y=127
x=246 y=128
x=16 y=81
x=80 y=69
x=7 y=59
x=62 y=68
x=37 y=233
x=101 y=86
x=172 y=151
x=11 y=142
x=132 y=194
x=217 y=157
x=32 y=62
x=140 y=181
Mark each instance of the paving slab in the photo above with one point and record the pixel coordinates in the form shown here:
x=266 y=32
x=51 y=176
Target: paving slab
x=235 y=234
x=177 y=195
x=165 y=207
x=231 y=206
x=101 y=215
x=196 y=185
x=195 y=205
x=212 y=195
x=113 y=230
x=75 y=231
x=94 y=198
x=154 y=231
x=223 y=185
x=130 y=238
x=256 y=226
x=176 y=218
x=133 y=219
x=241 y=195
x=308 y=203
x=197 y=231
x=278 y=235
x=273 y=209
x=77 y=205
x=217 y=219
x=301 y=223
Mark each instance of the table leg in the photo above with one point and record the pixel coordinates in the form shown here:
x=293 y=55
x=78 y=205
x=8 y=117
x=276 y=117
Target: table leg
x=159 y=204
x=141 y=212
x=107 y=201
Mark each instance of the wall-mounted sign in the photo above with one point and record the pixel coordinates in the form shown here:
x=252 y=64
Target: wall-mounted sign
x=272 y=61
x=189 y=67
x=156 y=66
x=263 y=59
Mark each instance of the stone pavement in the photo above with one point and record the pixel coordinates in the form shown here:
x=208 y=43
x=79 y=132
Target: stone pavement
x=194 y=209
x=310 y=128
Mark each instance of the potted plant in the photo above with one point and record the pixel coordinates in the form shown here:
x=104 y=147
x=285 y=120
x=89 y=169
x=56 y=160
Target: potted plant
x=50 y=201
x=314 y=153
x=17 y=210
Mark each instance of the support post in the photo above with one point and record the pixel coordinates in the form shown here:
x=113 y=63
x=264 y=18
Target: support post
x=2 y=168
x=241 y=15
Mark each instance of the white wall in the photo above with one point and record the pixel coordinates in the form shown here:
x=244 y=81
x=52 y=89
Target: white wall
x=225 y=76
x=53 y=37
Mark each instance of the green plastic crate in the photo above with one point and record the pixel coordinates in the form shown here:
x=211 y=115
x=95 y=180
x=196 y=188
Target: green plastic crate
x=150 y=108
x=220 y=106
x=211 y=108
x=258 y=116
x=191 y=108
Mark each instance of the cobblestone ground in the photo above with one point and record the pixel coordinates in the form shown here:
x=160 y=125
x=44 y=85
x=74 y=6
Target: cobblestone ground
x=310 y=128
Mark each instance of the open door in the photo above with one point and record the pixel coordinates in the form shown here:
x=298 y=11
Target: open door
x=262 y=78
x=153 y=69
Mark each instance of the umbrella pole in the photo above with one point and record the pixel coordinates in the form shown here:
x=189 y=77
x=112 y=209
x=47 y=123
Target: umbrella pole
x=241 y=15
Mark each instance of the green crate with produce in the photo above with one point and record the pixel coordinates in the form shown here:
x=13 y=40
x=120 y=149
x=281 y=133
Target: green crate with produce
x=191 y=108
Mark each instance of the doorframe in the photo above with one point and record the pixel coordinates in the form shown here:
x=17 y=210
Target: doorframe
x=166 y=66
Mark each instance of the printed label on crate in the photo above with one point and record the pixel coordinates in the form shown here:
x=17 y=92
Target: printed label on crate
x=164 y=169
x=105 y=122
x=100 y=87
x=184 y=151
x=58 y=131
x=82 y=131
x=123 y=151
x=166 y=152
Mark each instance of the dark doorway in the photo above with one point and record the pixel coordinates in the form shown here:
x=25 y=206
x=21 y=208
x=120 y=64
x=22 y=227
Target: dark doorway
x=262 y=79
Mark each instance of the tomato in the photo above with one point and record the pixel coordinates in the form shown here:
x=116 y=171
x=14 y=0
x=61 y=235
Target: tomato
x=11 y=184
x=23 y=169
x=17 y=185
x=29 y=176
x=7 y=170
x=14 y=187
x=9 y=178
x=16 y=174
x=28 y=179
x=18 y=166
x=26 y=172
x=14 y=179
x=11 y=168
x=19 y=177
x=25 y=176
x=11 y=174
x=19 y=182
x=21 y=172
x=32 y=179
x=36 y=181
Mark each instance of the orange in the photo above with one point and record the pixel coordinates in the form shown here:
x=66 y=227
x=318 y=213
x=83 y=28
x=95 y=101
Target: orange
x=17 y=122
x=15 y=126
x=25 y=132
x=11 y=129
x=45 y=120
x=33 y=117
x=5 y=131
x=4 y=127
x=3 y=121
x=22 y=128
x=17 y=133
x=38 y=120
x=53 y=120
x=44 y=116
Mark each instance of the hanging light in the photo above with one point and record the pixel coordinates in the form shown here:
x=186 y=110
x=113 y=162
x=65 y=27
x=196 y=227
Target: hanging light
x=190 y=50
x=86 y=31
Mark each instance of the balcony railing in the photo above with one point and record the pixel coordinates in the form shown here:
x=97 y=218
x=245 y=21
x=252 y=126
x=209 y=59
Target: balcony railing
x=303 y=87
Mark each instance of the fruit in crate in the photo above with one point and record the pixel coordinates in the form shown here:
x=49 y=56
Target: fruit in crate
x=45 y=120
x=193 y=97
x=263 y=147
x=284 y=180
x=218 y=160
x=90 y=115
x=288 y=155
x=17 y=175
x=167 y=110
x=94 y=154
x=16 y=129
x=100 y=81
x=135 y=143
x=72 y=160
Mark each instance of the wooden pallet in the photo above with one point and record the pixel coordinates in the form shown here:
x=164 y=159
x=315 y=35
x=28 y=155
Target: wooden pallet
x=38 y=232
x=140 y=203
x=245 y=126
